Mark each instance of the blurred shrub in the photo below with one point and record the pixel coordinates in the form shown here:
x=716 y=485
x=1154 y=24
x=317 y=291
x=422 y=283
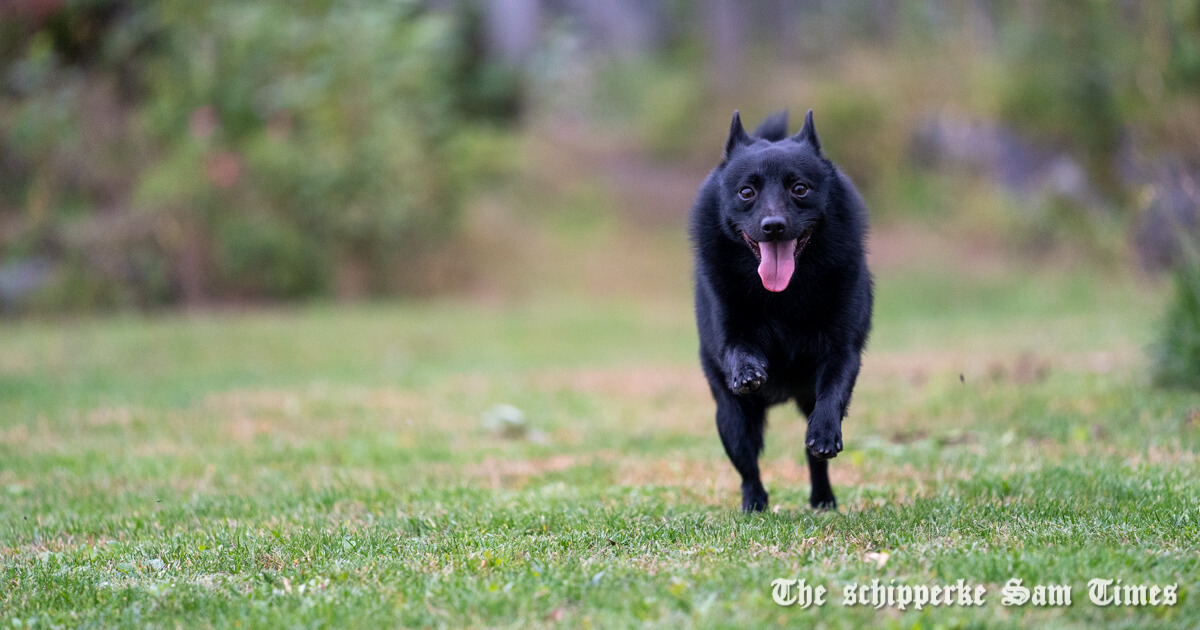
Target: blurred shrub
x=1177 y=355
x=660 y=102
x=672 y=107
x=1082 y=75
x=856 y=132
x=188 y=151
x=1069 y=72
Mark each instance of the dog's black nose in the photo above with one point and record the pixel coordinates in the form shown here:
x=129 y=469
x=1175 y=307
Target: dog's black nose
x=773 y=225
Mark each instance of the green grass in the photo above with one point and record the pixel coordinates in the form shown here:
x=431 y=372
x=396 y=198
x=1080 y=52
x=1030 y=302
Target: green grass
x=329 y=467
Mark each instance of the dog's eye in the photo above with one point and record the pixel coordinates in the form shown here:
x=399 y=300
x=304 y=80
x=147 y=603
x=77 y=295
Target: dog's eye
x=746 y=193
x=799 y=189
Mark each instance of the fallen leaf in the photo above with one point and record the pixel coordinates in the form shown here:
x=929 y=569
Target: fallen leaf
x=880 y=558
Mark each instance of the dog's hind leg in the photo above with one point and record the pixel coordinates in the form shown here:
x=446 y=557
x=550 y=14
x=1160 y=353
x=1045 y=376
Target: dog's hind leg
x=740 y=421
x=818 y=469
x=822 y=492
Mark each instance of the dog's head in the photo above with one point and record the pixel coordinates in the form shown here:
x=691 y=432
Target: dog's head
x=774 y=191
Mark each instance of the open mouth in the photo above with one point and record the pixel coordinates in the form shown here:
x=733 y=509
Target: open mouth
x=777 y=259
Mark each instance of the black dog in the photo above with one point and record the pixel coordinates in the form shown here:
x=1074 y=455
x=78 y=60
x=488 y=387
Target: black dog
x=783 y=294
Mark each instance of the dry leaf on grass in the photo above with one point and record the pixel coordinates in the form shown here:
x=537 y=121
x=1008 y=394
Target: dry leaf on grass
x=880 y=558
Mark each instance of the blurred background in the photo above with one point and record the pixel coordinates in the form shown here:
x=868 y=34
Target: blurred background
x=170 y=153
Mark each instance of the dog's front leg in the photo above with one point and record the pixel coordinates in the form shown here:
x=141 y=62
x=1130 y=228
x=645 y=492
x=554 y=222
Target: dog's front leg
x=745 y=370
x=835 y=383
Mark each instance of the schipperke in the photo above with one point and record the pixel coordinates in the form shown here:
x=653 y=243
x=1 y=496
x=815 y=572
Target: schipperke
x=783 y=294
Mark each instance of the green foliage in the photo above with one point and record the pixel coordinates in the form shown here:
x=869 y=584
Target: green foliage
x=1067 y=72
x=1080 y=74
x=1183 y=54
x=665 y=104
x=1177 y=354
x=856 y=131
x=325 y=132
x=244 y=149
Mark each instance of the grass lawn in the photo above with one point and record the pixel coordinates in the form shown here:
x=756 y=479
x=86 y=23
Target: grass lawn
x=329 y=466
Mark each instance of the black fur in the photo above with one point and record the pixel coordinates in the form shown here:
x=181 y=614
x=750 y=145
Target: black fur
x=760 y=348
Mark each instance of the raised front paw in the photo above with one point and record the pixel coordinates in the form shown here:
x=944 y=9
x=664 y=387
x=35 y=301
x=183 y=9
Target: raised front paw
x=824 y=443
x=747 y=379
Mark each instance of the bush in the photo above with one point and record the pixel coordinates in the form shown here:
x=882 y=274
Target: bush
x=193 y=151
x=1177 y=356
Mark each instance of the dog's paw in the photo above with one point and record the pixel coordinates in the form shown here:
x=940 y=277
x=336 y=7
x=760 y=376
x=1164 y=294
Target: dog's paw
x=747 y=379
x=823 y=503
x=754 y=500
x=824 y=443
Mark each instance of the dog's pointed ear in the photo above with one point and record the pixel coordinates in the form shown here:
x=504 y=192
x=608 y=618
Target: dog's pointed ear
x=737 y=135
x=808 y=133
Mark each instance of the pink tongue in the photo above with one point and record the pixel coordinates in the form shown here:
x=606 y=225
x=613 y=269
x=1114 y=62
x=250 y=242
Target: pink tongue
x=778 y=263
